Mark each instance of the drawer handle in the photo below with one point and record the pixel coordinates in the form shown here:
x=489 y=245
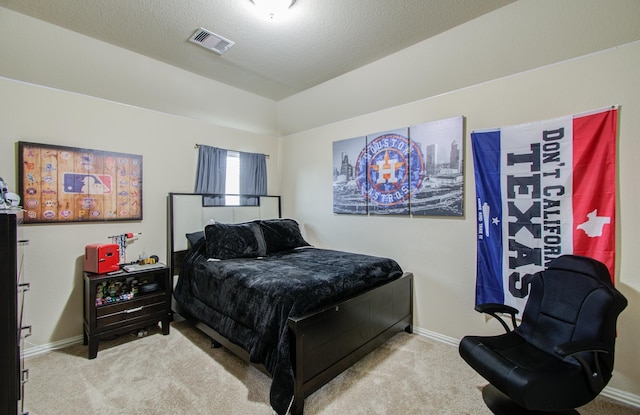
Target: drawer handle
x=133 y=310
x=25 y=376
x=22 y=331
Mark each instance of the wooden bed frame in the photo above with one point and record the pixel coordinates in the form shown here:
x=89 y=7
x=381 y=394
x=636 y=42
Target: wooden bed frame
x=325 y=342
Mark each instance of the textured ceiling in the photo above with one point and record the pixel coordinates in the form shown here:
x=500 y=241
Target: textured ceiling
x=315 y=41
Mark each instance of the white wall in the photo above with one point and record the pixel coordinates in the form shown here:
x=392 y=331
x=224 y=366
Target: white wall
x=441 y=252
x=41 y=53
x=166 y=142
x=183 y=109
x=524 y=35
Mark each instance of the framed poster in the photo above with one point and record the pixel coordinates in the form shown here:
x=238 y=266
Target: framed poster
x=68 y=184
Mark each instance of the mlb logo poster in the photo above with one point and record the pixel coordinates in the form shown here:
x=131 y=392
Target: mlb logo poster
x=414 y=170
x=543 y=190
x=67 y=184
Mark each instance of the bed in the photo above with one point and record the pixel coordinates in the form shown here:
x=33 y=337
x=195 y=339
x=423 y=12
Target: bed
x=300 y=314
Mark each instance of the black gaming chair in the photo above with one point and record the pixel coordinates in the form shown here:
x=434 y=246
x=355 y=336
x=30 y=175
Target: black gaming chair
x=561 y=355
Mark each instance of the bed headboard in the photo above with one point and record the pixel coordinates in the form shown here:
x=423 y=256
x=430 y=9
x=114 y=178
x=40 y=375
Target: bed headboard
x=188 y=213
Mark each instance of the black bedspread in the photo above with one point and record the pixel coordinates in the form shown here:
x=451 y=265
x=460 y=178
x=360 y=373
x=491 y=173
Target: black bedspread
x=248 y=300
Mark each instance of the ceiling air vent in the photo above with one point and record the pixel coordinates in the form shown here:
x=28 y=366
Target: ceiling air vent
x=211 y=41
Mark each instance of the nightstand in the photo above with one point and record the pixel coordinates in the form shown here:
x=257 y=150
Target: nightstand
x=124 y=302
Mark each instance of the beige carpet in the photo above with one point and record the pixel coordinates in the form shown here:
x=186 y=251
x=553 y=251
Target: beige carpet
x=182 y=374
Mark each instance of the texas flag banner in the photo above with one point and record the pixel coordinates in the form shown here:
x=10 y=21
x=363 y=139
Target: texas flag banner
x=543 y=189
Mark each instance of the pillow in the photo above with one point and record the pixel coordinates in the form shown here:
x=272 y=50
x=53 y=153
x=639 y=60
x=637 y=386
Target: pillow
x=194 y=237
x=282 y=234
x=241 y=240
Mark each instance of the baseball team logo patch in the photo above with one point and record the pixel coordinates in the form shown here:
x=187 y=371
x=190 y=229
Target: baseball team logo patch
x=389 y=169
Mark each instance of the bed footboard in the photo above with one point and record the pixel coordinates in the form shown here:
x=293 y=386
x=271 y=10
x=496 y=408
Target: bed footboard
x=329 y=341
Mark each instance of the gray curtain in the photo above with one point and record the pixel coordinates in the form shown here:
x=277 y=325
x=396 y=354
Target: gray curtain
x=211 y=174
x=253 y=177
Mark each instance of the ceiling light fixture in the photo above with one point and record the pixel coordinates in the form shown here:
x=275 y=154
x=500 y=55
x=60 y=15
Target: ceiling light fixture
x=273 y=8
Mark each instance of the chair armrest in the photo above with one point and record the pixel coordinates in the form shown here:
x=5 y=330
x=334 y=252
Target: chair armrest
x=573 y=349
x=493 y=309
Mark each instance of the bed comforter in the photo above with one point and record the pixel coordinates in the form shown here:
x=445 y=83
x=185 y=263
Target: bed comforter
x=249 y=300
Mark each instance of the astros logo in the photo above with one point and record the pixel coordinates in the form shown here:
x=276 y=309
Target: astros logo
x=389 y=169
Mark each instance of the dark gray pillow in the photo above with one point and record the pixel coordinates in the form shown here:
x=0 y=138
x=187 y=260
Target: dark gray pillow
x=194 y=237
x=282 y=234
x=241 y=240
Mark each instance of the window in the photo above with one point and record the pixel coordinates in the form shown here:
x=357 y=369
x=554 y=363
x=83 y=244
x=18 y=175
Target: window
x=232 y=180
x=209 y=178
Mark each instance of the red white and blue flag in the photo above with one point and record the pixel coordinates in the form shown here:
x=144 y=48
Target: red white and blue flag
x=543 y=189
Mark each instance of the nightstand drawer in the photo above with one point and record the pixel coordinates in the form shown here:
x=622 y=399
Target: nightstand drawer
x=131 y=313
x=108 y=309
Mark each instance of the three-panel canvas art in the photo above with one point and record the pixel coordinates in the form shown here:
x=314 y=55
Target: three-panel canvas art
x=416 y=170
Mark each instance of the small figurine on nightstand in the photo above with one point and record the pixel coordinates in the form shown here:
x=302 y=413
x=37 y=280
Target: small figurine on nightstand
x=112 y=289
x=100 y=294
x=125 y=288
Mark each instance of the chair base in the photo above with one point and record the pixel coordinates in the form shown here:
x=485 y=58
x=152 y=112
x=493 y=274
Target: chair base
x=500 y=404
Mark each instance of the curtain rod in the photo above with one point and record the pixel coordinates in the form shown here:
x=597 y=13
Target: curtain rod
x=198 y=145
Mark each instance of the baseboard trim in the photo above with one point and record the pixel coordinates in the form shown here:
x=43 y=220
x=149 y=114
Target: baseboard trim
x=436 y=336
x=621 y=396
x=44 y=348
x=609 y=392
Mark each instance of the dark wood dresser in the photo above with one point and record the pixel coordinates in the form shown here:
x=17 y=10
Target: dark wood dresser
x=12 y=289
